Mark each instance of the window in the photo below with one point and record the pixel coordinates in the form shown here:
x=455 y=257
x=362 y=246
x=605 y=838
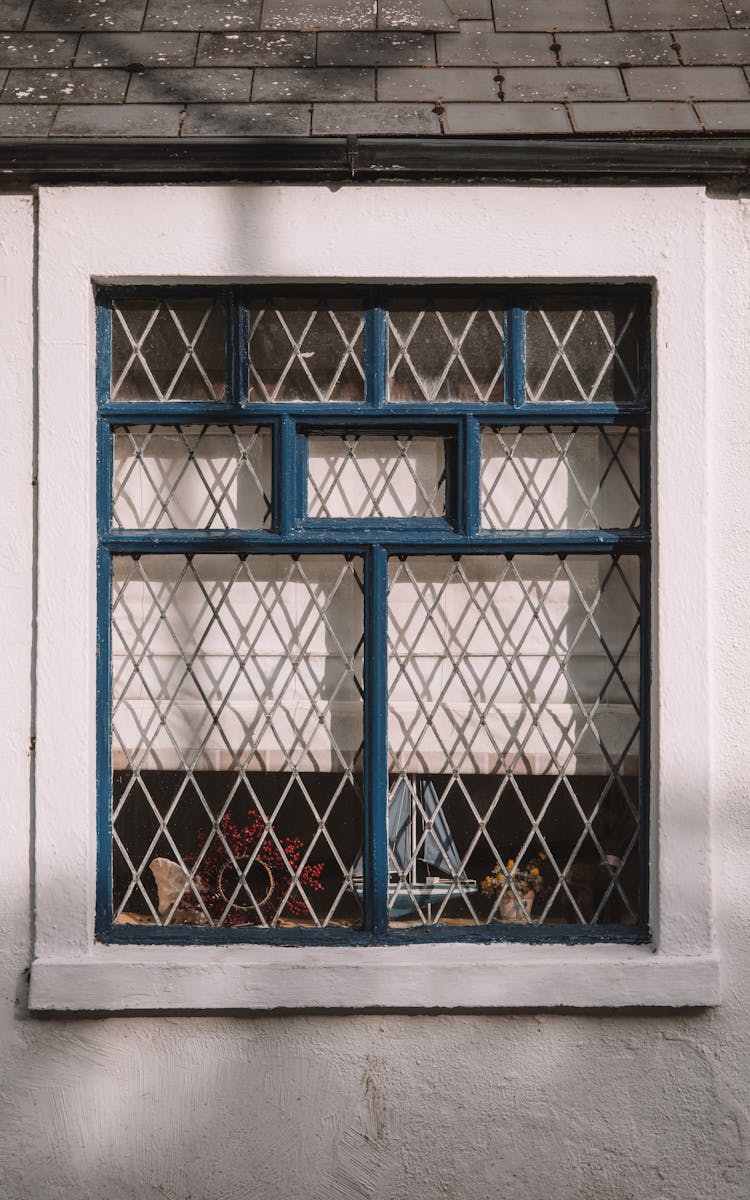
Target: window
x=478 y=240
x=372 y=576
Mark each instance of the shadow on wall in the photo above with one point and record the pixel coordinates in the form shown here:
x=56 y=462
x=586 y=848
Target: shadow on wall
x=346 y=1105
x=350 y=1106
x=341 y=1106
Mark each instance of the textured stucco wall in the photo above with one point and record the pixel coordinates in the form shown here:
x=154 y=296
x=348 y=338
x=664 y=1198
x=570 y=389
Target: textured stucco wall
x=585 y=1106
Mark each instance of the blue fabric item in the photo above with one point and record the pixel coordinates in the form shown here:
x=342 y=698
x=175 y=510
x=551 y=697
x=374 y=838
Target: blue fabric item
x=399 y=824
x=438 y=849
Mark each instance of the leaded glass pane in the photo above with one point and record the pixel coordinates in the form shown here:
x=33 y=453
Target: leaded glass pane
x=168 y=350
x=306 y=351
x=514 y=739
x=237 y=739
x=513 y=688
x=582 y=352
x=454 y=352
x=560 y=477
x=376 y=475
x=192 y=477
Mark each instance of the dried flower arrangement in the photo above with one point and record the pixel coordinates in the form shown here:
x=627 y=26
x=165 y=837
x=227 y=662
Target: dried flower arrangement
x=516 y=901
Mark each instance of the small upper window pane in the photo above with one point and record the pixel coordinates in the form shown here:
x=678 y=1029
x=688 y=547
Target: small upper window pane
x=451 y=353
x=168 y=350
x=376 y=475
x=306 y=351
x=560 y=477
x=192 y=477
x=582 y=353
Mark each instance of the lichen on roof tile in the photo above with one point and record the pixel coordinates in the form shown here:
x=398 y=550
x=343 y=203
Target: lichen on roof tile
x=416 y=14
x=319 y=14
x=86 y=14
x=203 y=14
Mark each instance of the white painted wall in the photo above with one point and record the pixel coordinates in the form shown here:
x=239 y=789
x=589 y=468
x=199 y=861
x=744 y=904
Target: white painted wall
x=571 y=1106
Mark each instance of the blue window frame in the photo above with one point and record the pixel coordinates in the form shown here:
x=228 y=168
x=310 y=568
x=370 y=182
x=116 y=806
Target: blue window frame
x=467 y=472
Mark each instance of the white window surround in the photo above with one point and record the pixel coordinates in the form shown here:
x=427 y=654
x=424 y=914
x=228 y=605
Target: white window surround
x=459 y=234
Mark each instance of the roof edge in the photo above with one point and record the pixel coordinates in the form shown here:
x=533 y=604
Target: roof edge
x=704 y=158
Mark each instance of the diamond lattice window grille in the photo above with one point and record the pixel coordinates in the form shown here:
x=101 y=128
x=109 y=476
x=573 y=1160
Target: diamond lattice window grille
x=226 y=671
x=192 y=477
x=376 y=475
x=514 y=680
x=447 y=354
x=582 y=354
x=560 y=477
x=168 y=350
x=513 y=683
x=304 y=352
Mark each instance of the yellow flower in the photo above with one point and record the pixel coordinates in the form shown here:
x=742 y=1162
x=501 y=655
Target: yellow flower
x=511 y=863
x=533 y=870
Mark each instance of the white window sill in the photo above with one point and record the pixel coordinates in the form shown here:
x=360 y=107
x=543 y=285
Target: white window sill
x=111 y=979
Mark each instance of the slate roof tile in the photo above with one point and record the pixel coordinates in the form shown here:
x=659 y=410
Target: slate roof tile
x=559 y=83
x=14 y=13
x=471 y=10
x=190 y=84
x=247 y=120
x=65 y=87
x=468 y=119
x=634 y=117
x=729 y=116
x=318 y=14
x=376 y=49
x=148 y=49
x=37 y=49
x=702 y=47
x=445 y=83
x=256 y=49
x=203 y=14
x=738 y=14
x=686 y=83
x=523 y=15
x=273 y=68
x=668 y=14
x=325 y=83
x=379 y=119
x=118 y=120
x=86 y=14
x=26 y=120
x=495 y=49
x=416 y=14
x=616 y=49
